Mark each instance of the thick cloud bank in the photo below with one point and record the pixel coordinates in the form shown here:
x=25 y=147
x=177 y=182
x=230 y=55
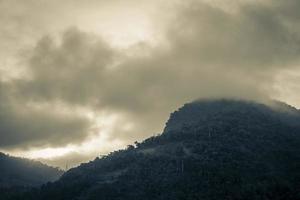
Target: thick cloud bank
x=208 y=50
x=22 y=124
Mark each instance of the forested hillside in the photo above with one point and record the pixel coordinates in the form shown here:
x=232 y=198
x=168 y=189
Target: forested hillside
x=16 y=171
x=210 y=149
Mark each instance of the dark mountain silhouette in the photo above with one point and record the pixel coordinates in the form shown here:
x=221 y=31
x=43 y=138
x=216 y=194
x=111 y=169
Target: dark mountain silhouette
x=210 y=149
x=16 y=171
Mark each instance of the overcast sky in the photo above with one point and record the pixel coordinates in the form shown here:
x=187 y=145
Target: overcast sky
x=81 y=78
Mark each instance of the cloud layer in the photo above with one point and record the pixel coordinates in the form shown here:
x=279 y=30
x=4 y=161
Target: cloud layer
x=208 y=50
x=23 y=125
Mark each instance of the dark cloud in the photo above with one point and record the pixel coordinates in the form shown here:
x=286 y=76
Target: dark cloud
x=72 y=70
x=254 y=36
x=22 y=126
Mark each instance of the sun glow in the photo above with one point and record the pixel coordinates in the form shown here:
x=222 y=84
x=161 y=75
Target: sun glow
x=97 y=144
x=122 y=24
x=47 y=152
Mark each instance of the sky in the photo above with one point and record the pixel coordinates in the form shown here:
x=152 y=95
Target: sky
x=82 y=78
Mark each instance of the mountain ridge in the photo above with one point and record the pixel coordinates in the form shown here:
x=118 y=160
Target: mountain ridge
x=216 y=149
x=211 y=107
x=20 y=172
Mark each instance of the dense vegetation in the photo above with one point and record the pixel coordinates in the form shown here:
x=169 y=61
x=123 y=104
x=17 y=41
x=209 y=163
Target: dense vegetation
x=16 y=171
x=19 y=174
x=220 y=149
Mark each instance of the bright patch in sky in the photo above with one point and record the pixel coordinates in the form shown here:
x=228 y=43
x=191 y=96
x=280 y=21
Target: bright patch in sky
x=47 y=152
x=122 y=26
x=97 y=144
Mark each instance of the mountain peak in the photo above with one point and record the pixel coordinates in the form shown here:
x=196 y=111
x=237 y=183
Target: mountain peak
x=210 y=149
x=213 y=110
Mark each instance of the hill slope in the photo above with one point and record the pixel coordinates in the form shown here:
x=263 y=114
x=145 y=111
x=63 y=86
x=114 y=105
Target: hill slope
x=23 y=172
x=218 y=149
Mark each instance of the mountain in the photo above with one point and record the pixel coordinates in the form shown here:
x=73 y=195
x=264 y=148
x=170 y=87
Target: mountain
x=209 y=149
x=16 y=171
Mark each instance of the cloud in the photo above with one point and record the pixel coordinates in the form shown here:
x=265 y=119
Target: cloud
x=22 y=125
x=71 y=71
x=208 y=51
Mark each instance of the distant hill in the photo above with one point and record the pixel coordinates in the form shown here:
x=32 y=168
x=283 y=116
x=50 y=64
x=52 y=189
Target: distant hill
x=19 y=172
x=210 y=150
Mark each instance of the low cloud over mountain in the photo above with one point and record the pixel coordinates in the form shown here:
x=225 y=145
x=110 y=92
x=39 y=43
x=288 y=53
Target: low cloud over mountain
x=71 y=75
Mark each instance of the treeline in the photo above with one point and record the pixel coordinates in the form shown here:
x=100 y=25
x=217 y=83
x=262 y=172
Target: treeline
x=20 y=172
x=243 y=151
